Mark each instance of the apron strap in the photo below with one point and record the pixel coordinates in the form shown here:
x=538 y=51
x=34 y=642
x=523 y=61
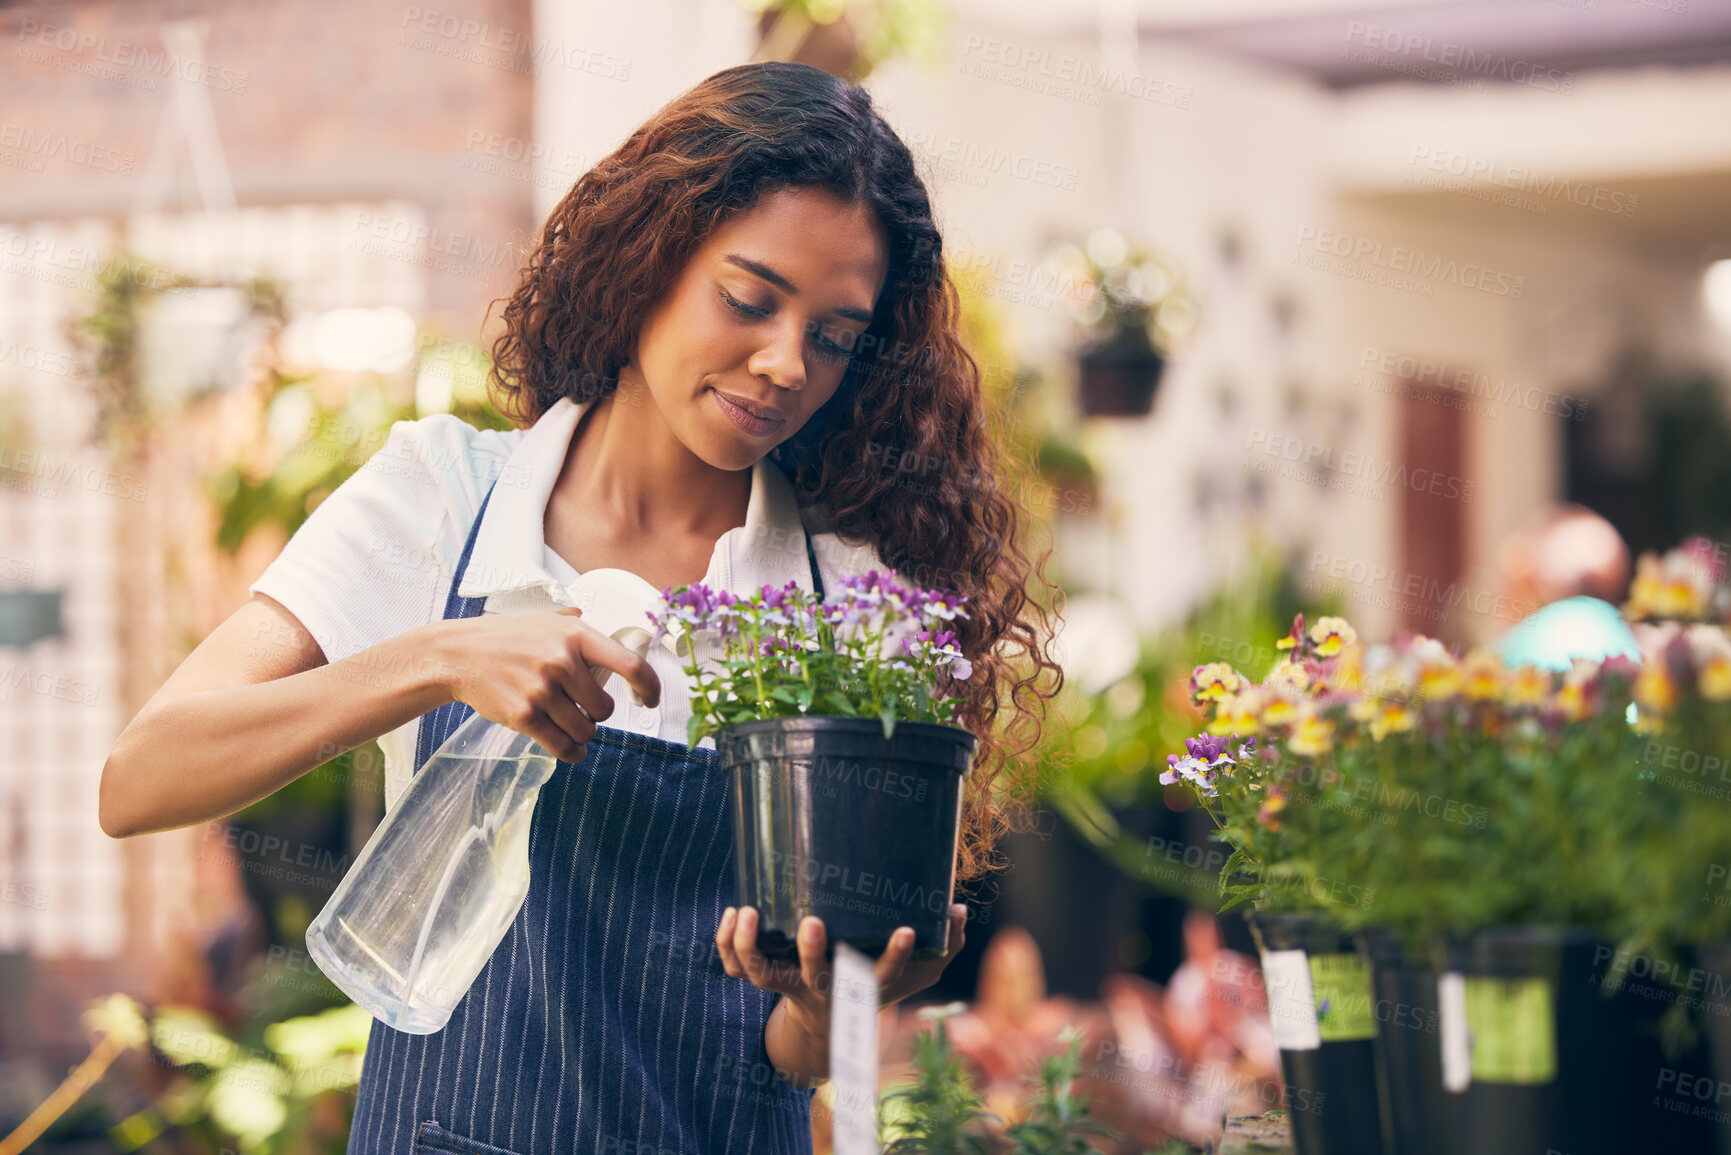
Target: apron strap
x=816 y=577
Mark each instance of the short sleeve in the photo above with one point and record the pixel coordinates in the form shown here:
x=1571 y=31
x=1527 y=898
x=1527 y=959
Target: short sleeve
x=375 y=558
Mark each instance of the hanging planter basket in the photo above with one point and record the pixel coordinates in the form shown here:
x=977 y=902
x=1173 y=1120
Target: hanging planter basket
x=1118 y=377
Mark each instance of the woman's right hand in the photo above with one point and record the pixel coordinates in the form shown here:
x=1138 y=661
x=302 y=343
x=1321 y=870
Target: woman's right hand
x=530 y=671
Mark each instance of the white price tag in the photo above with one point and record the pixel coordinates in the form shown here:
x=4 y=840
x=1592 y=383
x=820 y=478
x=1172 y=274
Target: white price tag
x=1457 y=1051
x=1291 y=1001
x=853 y=1053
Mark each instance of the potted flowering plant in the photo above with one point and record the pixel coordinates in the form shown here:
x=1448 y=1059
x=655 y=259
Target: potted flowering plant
x=1276 y=805
x=1682 y=931
x=834 y=719
x=1501 y=821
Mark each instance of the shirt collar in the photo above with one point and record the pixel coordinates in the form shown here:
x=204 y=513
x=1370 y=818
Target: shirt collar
x=510 y=546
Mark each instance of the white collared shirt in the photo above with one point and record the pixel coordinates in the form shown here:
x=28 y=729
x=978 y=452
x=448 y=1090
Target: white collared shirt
x=375 y=559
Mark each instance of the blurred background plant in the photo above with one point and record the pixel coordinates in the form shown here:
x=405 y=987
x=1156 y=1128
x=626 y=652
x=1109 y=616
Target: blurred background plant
x=1116 y=289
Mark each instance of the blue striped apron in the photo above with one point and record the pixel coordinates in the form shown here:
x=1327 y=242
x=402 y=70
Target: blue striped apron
x=604 y=1022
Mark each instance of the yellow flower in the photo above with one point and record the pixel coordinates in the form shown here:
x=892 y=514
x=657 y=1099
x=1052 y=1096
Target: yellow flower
x=1238 y=714
x=1393 y=719
x=1714 y=681
x=1332 y=635
x=1288 y=677
x=1675 y=586
x=1440 y=683
x=1347 y=673
x=1214 y=681
x=1482 y=672
x=1655 y=690
x=1271 y=806
x=1529 y=686
x=1439 y=675
x=1278 y=711
x=1312 y=737
x=1571 y=701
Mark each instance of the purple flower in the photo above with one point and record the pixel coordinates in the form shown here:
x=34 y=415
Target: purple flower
x=1206 y=757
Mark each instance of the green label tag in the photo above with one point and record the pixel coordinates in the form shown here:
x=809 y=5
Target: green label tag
x=1343 y=1003
x=1513 y=1030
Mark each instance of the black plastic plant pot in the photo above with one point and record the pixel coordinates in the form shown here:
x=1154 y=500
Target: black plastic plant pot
x=1415 y=1110
x=1118 y=377
x=832 y=819
x=1319 y=1000
x=1549 y=1055
x=1713 y=961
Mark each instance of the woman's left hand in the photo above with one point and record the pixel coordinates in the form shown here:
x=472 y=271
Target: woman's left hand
x=806 y=983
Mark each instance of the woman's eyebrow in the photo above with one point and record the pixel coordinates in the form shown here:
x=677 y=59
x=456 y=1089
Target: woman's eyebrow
x=851 y=312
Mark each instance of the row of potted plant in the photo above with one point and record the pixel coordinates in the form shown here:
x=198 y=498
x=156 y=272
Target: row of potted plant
x=1484 y=896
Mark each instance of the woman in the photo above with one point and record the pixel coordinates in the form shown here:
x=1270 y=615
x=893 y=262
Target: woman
x=733 y=334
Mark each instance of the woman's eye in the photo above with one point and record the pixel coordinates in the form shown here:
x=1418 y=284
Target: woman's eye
x=839 y=352
x=739 y=306
x=828 y=348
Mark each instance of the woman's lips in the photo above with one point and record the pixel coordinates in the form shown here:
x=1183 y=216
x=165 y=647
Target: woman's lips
x=745 y=419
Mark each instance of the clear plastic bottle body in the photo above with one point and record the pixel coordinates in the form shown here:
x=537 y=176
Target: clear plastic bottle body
x=436 y=887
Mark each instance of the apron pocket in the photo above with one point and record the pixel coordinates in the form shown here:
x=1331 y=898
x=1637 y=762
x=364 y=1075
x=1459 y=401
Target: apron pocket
x=429 y=1136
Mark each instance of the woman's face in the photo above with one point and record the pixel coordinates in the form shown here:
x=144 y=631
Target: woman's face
x=755 y=334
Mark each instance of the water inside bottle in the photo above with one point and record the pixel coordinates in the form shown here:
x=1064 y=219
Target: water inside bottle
x=430 y=898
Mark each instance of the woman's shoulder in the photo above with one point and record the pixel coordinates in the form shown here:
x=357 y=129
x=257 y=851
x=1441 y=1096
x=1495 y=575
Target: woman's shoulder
x=373 y=557
x=442 y=441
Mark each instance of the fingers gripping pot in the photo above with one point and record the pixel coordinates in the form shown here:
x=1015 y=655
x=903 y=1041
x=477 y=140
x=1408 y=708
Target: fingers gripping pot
x=833 y=819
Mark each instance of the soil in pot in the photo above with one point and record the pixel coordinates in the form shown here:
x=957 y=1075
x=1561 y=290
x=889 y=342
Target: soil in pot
x=832 y=819
x=1319 y=1000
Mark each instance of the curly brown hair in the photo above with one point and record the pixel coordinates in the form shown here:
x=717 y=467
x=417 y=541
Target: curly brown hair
x=619 y=239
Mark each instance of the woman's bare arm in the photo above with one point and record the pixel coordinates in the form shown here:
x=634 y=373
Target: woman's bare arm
x=256 y=705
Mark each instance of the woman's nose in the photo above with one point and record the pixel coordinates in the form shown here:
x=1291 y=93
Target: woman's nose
x=782 y=359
